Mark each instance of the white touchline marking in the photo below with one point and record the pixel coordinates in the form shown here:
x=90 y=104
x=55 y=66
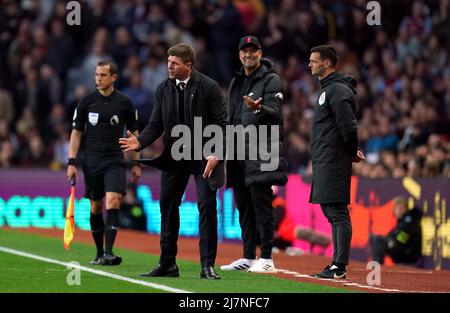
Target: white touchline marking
x=288 y=272
x=346 y=282
x=176 y=290
x=90 y=270
x=373 y=287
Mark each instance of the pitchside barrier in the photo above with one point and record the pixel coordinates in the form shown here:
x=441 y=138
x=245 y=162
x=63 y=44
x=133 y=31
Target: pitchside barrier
x=38 y=198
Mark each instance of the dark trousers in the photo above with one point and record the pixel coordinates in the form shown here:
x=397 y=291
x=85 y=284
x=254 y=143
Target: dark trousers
x=256 y=218
x=173 y=185
x=378 y=247
x=341 y=230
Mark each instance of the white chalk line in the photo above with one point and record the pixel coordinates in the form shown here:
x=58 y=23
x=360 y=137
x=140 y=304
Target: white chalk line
x=346 y=282
x=93 y=271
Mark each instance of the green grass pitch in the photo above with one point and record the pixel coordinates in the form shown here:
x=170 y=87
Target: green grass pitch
x=22 y=274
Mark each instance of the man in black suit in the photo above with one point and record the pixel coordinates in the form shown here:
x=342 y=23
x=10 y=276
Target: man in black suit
x=185 y=95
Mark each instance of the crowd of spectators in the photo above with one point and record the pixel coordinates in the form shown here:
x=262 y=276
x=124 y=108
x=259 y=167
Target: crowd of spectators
x=402 y=68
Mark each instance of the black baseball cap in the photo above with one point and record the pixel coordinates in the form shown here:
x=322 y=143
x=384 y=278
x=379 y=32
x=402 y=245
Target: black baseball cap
x=249 y=40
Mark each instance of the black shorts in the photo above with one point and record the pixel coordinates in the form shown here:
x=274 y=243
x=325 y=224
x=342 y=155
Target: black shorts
x=110 y=179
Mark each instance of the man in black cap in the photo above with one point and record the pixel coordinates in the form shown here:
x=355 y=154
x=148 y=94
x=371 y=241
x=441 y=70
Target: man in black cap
x=254 y=100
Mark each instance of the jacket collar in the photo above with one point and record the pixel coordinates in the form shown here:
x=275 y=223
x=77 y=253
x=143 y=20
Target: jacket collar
x=266 y=66
x=259 y=72
x=177 y=81
x=329 y=78
x=195 y=76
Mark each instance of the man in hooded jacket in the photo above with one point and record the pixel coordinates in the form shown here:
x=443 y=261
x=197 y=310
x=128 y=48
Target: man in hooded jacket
x=253 y=101
x=334 y=146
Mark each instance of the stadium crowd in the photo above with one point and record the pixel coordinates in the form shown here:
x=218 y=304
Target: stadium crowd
x=402 y=68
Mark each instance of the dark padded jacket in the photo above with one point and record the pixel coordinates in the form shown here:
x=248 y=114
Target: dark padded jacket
x=264 y=83
x=334 y=139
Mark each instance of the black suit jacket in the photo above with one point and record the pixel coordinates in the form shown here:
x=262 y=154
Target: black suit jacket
x=202 y=98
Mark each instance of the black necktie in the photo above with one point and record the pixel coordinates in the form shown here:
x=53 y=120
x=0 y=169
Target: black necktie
x=181 y=87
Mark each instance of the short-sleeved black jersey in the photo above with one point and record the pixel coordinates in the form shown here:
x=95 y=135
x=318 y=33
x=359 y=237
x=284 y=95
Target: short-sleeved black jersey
x=104 y=119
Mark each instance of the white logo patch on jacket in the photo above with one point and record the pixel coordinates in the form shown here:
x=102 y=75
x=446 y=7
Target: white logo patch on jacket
x=93 y=118
x=322 y=98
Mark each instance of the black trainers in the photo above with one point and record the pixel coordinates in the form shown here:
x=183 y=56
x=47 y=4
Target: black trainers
x=110 y=259
x=331 y=272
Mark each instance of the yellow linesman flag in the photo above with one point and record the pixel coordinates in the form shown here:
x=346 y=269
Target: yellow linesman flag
x=69 y=229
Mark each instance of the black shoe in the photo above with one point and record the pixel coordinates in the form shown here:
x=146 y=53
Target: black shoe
x=331 y=272
x=209 y=273
x=163 y=271
x=110 y=259
x=97 y=260
x=325 y=269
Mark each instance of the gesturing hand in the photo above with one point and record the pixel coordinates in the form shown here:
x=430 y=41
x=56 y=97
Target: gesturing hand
x=130 y=143
x=358 y=157
x=252 y=104
x=212 y=162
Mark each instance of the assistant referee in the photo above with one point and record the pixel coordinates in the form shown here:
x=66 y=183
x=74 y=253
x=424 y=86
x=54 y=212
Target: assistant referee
x=103 y=115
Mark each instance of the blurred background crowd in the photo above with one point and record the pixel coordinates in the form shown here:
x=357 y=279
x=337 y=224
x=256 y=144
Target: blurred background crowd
x=402 y=68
